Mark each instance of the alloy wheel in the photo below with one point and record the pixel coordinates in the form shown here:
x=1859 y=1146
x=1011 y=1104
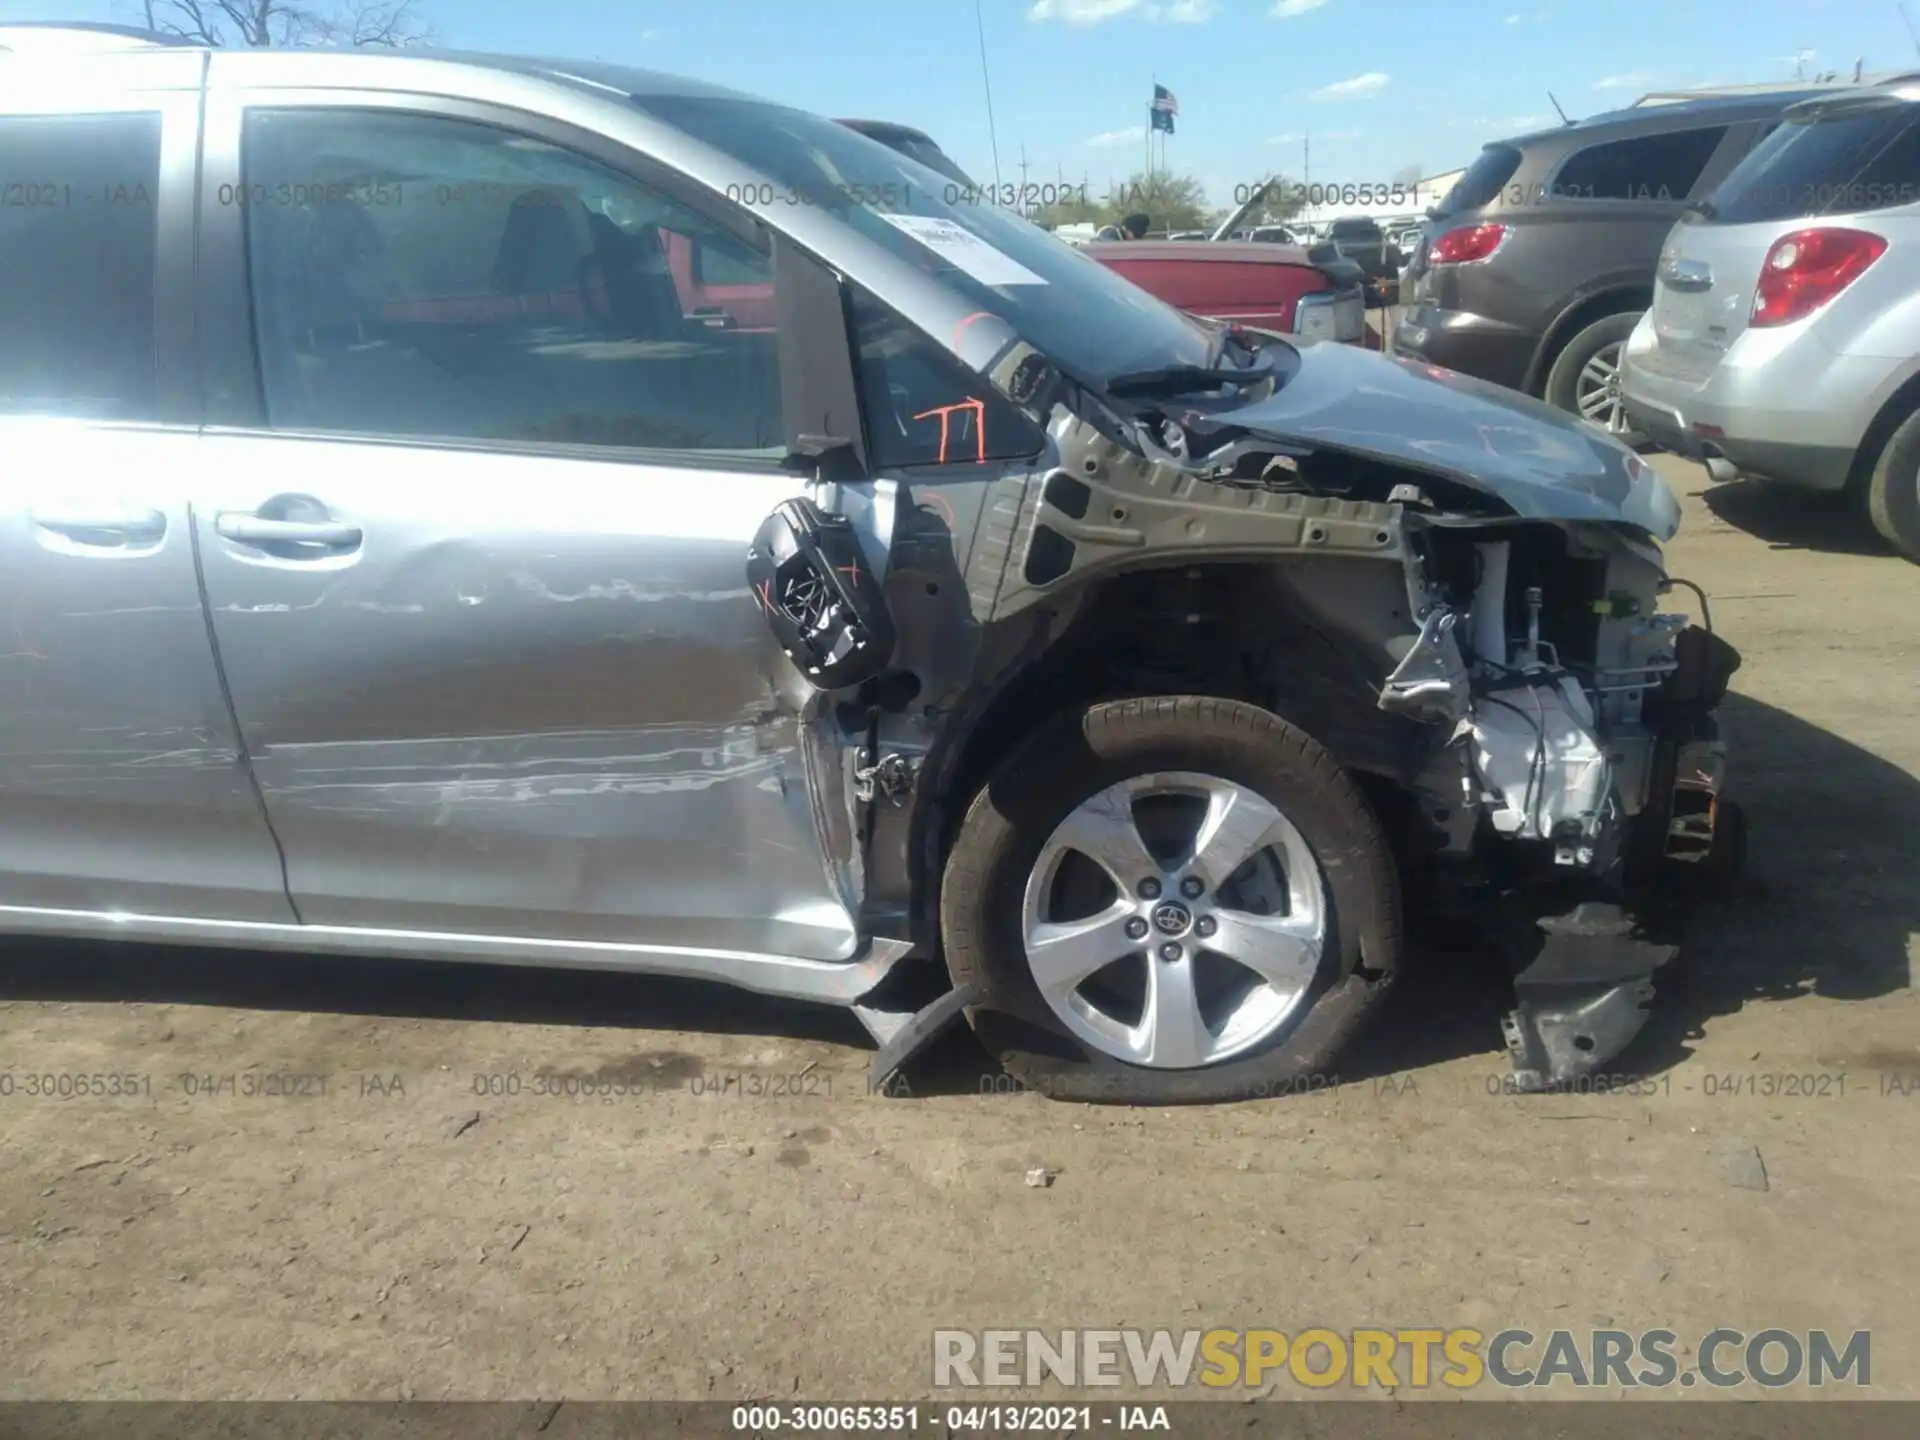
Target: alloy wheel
x=1175 y=920
x=1596 y=393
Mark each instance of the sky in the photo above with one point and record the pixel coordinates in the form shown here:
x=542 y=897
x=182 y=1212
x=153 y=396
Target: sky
x=1379 y=86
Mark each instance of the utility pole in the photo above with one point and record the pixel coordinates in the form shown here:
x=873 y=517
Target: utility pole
x=1023 y=177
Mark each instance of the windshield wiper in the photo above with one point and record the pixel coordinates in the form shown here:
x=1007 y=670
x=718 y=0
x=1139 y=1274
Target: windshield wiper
x=1705 y=209
x=1185 y=379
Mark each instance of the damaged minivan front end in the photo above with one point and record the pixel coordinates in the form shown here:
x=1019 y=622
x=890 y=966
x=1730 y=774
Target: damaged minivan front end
x=1407 y=626
x=1456 y=590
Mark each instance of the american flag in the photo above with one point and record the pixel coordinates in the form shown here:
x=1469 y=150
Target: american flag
x=1165 y=106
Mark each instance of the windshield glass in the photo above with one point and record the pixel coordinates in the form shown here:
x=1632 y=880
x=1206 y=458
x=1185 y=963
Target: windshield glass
x=1080 y=313
x=1865 y=159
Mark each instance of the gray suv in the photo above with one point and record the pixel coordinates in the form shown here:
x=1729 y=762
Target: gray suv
x=1539 y=262
x=486 y=508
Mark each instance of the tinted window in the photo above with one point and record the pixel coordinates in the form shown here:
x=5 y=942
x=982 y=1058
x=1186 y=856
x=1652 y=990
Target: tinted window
x=1481 y=182
x=1649 y=167
x=76 y=265
x=1063 y=303
x=417 y=276
x=1866 y=160
x=922 y=406
x=1356 y=230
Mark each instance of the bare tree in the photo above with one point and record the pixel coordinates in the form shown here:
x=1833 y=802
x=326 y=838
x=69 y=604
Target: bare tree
x=257 y=23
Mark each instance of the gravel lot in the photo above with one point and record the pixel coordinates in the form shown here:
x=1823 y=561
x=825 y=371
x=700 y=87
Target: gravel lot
x=404 y=1235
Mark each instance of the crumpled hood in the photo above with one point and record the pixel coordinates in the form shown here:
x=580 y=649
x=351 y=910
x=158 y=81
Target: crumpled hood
x=1542 y=462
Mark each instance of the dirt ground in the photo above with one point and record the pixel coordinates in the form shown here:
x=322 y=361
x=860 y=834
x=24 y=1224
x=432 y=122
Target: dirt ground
x=404 y=1235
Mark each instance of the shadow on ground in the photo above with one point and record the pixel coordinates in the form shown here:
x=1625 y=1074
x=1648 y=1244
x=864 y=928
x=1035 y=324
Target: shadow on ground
x=1788 y=519
x=1831 y=900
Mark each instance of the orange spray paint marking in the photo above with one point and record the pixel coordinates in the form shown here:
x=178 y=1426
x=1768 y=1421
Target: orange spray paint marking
x=945 y=412
x=961 y=328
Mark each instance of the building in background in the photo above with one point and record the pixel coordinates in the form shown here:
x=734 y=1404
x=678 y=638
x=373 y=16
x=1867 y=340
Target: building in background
x=1410 y=207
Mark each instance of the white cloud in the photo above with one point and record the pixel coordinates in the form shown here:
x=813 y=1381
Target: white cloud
x=1631 y=80
x=1515 y=19
x=1501 y=125
x=1081 y=12
x=1292 y=137
x=1132 y=135
x=649 y=34
x=1358 y=88
x=1287 y=9
x=1092 y=12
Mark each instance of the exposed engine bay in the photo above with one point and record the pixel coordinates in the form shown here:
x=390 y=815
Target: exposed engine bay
x=1495 y=654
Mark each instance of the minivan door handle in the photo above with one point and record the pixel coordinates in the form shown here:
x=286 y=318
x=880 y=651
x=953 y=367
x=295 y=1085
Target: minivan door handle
x=254 y=530
x=105 y=526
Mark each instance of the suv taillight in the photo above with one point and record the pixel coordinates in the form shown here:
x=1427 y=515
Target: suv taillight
x=1467 y=244
x=1806 y=269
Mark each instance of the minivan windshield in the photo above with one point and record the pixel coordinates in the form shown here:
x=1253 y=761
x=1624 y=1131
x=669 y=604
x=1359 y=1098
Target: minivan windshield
x=1086 y=317
x=1862 y=158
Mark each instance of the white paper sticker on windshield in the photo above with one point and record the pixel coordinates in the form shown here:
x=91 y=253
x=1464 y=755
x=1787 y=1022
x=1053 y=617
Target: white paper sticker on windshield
x=964 y=250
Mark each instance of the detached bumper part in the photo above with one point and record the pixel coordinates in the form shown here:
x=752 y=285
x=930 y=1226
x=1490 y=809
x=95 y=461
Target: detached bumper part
x=1581 y=995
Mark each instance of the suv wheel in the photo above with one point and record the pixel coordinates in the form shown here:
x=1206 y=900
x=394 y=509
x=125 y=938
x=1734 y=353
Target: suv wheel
x=1893 y=494
x=1166 y=900
x=1585 y=377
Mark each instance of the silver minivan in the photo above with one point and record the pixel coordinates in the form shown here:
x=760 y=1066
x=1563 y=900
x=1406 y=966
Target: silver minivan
x=1783 y=342
x=488 y=508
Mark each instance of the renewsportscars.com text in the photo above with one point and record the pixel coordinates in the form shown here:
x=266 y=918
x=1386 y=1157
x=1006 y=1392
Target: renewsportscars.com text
x=1457 y=1359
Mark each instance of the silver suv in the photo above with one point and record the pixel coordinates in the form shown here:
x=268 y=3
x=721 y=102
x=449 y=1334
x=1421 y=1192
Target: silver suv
x=485 y=508
x=1784 y=338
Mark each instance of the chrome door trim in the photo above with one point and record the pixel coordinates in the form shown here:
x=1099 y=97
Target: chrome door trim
x=784 y=976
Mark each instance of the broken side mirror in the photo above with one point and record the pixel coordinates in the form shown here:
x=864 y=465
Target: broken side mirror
x=819 y=595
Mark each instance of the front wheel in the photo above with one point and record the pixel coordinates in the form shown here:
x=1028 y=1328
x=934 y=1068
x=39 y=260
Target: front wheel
x=1170 y=900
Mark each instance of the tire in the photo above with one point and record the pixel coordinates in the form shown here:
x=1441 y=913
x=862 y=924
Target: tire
x=1893 y=493
x=1563 y=377
x=1011 y=825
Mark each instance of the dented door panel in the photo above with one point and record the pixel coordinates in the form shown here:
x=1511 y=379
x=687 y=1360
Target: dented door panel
x=122 y=784
x=535 y=698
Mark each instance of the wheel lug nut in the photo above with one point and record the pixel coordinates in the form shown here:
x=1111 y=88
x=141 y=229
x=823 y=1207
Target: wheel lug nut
x=1192 y=888
x=1149 y=889
x=1170 y=952
x=1205 y=926
x=1136 y=928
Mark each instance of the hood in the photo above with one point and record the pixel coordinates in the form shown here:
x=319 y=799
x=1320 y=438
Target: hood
x=1539 y=461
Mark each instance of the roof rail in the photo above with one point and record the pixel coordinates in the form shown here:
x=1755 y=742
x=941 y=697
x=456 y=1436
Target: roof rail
x=44 y=35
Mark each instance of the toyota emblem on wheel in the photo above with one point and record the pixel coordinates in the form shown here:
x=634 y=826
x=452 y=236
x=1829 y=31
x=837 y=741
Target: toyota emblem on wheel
x=1171 y=918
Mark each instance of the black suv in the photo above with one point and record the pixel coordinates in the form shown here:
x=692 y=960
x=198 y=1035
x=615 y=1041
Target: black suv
x=1360 y=239
x=1537 y=265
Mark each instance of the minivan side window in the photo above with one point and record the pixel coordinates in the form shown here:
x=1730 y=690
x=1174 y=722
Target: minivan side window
x=419 y=276
x=77 y=250
x=1648 y=167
